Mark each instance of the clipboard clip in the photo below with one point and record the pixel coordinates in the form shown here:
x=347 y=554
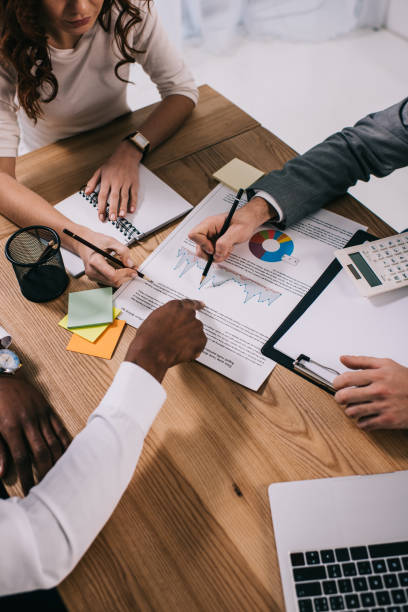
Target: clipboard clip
x=300 y=367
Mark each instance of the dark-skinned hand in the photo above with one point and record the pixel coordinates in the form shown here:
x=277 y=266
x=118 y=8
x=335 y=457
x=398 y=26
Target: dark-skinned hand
x=31 y=434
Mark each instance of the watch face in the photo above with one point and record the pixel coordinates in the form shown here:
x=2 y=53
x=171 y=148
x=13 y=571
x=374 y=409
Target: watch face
x=9 y=360
x=140 y=141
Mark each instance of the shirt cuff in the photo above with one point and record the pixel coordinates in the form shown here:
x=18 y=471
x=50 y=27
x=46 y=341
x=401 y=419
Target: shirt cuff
x=138 y=391
x=267 y=196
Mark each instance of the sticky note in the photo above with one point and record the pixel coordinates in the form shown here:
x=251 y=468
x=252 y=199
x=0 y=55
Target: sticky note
x=89 y=333
x=91 y=307
x=237 y=174
x=104 y=345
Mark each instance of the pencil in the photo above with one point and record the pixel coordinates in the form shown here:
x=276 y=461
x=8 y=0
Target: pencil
x=100 y=251
x=223 y=230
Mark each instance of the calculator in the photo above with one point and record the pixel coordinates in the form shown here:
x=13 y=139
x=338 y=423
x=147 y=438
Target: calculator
x=377 y=266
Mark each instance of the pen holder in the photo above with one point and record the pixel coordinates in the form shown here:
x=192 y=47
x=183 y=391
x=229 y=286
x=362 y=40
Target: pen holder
x=37 y=261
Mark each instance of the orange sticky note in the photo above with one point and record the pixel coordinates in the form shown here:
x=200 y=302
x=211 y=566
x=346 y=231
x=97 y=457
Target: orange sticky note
x=104 y=345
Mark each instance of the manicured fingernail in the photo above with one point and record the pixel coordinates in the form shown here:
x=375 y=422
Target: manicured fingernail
x=135 y=275
x=132 y=209
x=102 y=217
x=129 y=263
x=112 y=217
x=122 y=213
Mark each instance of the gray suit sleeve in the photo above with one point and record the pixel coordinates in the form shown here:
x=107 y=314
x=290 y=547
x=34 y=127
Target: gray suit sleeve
x=377 y=144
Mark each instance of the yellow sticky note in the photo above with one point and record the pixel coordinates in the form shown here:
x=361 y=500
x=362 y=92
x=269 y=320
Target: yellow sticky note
x=89 y=333
x=237 y=174
x=103 y=347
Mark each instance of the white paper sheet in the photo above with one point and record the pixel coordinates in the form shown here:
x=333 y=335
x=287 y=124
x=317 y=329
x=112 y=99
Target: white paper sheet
x=342 y=322
x=246 y=297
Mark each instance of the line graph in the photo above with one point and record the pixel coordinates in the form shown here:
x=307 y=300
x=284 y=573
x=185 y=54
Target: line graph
x=220 y=275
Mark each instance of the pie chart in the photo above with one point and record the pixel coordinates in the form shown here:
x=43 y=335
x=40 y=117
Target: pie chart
x=270 y=245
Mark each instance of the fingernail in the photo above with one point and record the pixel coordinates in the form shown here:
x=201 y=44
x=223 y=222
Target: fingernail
x=132 y=209
x=122 y=213
x=112 y=217
x=130 y=263
x=102 y=217
x=135 y=275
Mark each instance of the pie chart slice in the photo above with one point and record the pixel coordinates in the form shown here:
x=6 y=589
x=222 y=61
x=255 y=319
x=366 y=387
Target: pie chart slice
x=270 y=245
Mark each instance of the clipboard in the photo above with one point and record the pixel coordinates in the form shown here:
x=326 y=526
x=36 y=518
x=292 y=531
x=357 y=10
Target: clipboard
x=304 y=365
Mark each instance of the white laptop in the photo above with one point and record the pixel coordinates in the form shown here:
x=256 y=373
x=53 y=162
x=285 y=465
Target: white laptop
x=343 y=542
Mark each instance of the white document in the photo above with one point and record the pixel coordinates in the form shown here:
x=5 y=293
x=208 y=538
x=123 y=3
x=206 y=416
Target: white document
x=248 y=295
x=158 y=204
x=342 y=322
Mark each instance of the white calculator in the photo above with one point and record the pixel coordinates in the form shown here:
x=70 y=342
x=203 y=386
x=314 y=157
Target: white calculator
x=377 y=266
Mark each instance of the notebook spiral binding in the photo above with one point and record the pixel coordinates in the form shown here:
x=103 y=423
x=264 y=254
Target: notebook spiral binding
x=123 y=225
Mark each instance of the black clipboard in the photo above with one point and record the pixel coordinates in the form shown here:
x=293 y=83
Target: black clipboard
x=298 y=365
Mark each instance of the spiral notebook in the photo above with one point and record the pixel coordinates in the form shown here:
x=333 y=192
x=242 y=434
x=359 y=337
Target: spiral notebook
x=158 y=204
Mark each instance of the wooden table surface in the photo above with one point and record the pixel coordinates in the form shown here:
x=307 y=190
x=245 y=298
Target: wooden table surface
x=193 y=530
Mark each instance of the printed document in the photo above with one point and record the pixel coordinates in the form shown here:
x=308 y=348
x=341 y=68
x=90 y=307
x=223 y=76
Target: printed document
x=248 y=295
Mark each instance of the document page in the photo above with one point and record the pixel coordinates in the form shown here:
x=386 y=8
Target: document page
x=248 y=295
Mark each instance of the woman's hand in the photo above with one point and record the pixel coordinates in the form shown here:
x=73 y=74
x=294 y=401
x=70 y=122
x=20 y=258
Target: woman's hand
x=244 y=223
x=97 y=267
x=119 y=179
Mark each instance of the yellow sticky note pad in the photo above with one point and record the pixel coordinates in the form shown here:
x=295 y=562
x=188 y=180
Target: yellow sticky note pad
x=103 y=347
x=237 y=174
x=89 y=333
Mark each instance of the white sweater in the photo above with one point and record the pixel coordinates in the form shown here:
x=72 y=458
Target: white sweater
x=89 y=93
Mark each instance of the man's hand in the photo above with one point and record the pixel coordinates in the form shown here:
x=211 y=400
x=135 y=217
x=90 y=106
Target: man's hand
x=376 y=395
x=97 y=267
x=170 y=335
x=119 y=178
x=30 y=431
x=243 y=225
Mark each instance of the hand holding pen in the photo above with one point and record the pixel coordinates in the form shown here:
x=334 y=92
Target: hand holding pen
x=243 y=225
x=114 y=273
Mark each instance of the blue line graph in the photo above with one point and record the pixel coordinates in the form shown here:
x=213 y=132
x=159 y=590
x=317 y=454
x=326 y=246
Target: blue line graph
x=219 y=276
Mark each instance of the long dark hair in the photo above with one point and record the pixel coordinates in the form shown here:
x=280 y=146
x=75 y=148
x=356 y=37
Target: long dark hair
x=23 y=46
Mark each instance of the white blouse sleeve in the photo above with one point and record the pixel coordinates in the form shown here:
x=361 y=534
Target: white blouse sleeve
x=160 y=59
x=44 y=535
x=9 y=130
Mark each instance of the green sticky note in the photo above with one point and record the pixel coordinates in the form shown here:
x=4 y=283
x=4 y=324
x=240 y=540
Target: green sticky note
x=91 y=333
x=92 y=307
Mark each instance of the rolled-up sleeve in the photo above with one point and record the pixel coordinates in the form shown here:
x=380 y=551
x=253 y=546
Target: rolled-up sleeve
x=44 y=535
x=9 y=129
x=160 y=59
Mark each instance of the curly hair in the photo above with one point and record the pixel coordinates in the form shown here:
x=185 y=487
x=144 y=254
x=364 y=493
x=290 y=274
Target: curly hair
x=23 y=46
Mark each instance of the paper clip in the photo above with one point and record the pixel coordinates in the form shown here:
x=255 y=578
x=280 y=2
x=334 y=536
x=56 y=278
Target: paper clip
x=309 y=373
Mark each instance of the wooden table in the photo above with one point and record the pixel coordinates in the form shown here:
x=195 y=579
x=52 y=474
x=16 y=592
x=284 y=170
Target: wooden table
x=193 y=531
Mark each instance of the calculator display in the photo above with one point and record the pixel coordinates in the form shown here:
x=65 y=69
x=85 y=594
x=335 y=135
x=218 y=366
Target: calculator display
x=368 y=273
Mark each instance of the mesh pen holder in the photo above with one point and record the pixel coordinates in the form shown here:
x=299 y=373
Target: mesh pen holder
x=37 y=261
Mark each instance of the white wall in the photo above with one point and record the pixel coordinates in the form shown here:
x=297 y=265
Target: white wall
x=397 y=17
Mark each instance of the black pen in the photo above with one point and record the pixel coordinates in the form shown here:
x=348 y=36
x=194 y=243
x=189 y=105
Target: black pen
x=223 y=230
x=100 y=251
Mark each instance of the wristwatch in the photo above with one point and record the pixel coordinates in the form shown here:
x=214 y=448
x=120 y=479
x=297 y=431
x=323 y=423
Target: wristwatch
x=140 y=142
x=9 y=362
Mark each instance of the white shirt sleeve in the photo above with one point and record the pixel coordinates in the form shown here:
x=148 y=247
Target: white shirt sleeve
x=44 y=535
x=267 y=196
x=160 y=59
x=9 y=130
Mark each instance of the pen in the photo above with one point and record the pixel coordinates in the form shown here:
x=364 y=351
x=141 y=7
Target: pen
x=51 y=246
x=98 y=250
x=223 y=230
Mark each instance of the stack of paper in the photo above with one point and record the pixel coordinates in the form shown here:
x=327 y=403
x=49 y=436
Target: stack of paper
x=93 y=320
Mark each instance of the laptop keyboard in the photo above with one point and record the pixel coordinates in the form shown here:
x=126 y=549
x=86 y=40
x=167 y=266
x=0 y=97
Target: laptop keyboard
x=358 y=578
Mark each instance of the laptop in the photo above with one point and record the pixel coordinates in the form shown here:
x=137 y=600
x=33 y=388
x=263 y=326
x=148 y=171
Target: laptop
x=343 y=542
